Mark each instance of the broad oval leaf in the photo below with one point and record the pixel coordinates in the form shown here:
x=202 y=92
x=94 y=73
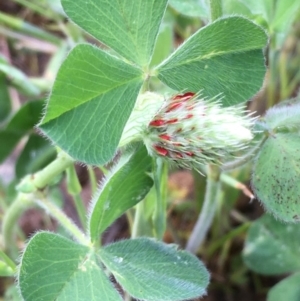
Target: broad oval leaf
x=151 y=270
x=287 y=289
x=276 y=175
x=272 y=247
x=127 y=185
x=129 y=27
x=92 y=98
x=224 y=58
x=55 y=268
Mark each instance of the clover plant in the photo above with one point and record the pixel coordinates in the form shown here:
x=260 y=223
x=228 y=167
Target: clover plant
x=121 y=100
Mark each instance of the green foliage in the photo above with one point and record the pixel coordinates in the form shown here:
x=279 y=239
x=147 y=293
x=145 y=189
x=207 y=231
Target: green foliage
x=193 y=8
x=20 y=124
x=62 y=270
x=287 y=289
x=276 y=171
x=36 y=154
x=95 y=100
x=128 y=27
x=272 y=247
x=164 y=43
x=92 y=99
x=278 y=14
x=151 y=270
x=18 y=79
x=224 y=58
x=6 y=270
x=127 y=185
x=5 y=104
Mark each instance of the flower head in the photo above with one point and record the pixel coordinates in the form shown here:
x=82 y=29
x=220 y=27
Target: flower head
x=191 y=131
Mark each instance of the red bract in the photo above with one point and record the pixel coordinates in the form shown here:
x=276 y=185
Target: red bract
x=184 y=96
x=158 y=122
x=160 y=150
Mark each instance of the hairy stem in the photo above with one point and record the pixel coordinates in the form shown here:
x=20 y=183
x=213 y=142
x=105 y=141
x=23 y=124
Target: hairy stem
x=208 y=210
x=62 y=218
x=11 y=217
x=44 y=177
x=160 y=214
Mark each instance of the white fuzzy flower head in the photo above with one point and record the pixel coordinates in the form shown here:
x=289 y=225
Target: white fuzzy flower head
x=190 y=131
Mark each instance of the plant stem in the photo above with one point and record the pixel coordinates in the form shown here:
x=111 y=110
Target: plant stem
x=81 y=211
x=215 y=9
x=44 y=177
x=159 y=215
x=8 y=261
x=208 y=210
x=74 y=189
x=232 y=234
x=28 y=28
x=17 y=208
x=39 y=9
x=62 y=218
x=138 y=216
x=236 y=184
x=93 y=179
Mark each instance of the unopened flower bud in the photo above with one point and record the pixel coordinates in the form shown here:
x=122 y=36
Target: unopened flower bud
x=191 y=131
x=188 y=130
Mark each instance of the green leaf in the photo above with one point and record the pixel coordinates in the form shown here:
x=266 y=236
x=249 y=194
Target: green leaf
x=281 y=118
x=92 y=98
x=284 y=14
x=8 y=141
x=276 y=176
x=5 y=104
x=129 y=27
x=224 y=58
x=26 y=117
x=127 y=185
x=236 y=7
x=36 y=154
x=19 y=125
x=56 y=268
x=164 y=44
x=287 y=289
x=272 y=247
x=192 y=8
x=72 y=182
x=279 y=14
x=151 y=270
